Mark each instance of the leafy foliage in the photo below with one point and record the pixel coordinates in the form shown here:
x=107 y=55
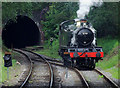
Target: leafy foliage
x=11 y=9
x=105 y=19
x=58 y=12
x=107 y=43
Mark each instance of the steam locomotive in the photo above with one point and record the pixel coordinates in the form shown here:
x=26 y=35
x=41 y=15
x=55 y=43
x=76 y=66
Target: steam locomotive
x=77 y=44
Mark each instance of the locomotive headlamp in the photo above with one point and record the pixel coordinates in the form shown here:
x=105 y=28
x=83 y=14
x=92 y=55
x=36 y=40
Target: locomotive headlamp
x=78 y=24
x=84 y=41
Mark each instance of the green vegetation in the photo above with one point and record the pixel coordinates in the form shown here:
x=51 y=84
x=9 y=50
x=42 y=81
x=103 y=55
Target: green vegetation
x=50 y=51
x=110 y=65
x=106 y=64
x=58 y=12
x=11 y=9
x=3 y=70
x=115 y=72
x=105 y=19
x=107 y=43
x=110 y=60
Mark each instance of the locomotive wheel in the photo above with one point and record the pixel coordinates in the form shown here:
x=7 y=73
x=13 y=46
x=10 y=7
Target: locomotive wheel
x=78 y=62
x=67 y=63
x=73 y=63
x=92 y=65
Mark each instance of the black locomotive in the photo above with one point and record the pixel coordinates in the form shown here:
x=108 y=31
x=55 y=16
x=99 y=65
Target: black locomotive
x=77 y=44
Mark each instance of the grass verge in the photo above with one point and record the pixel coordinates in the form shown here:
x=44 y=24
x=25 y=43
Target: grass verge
x=50 y=51
x=110 y=60
x=107 y=44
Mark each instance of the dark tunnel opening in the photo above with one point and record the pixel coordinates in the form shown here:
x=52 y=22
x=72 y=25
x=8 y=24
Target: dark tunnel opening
x=20 y=33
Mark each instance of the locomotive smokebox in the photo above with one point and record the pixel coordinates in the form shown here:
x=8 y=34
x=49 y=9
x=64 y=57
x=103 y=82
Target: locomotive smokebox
x=85 y=37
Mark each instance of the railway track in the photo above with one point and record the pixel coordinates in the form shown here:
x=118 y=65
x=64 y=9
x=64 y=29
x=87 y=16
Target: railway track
x=30 y=72
x=113 y=84
x=59 y=63
x=95 y=78
x=80 y=75
x=47 y=58
x=85 y=82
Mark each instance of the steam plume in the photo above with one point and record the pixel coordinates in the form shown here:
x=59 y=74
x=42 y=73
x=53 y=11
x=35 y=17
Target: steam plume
x=84 y=7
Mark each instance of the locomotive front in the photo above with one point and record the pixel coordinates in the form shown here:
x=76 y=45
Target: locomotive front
x=84 y=37
x=78 y=44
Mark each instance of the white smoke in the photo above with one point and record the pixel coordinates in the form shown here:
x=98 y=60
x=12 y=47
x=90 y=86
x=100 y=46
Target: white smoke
x=84 y=7
x=73 y=39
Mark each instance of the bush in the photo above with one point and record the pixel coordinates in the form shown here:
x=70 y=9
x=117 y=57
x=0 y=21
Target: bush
x=107 y=43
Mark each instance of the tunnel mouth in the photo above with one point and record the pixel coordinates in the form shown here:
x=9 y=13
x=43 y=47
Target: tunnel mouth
x=20 y=33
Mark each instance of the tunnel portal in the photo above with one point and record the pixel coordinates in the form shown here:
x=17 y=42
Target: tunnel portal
x=20 y=33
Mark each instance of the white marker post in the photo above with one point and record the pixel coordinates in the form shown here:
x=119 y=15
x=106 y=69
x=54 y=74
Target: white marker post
x=66 y=73
x=8 y=73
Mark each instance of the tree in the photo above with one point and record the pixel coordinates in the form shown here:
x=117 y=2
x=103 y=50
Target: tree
x=58 y=12
x=105 y=19
x=11 y=9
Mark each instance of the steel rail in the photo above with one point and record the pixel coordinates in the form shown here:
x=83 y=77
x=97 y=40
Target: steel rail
x=107 y=78
x=60 y=64
x=53 y=63
x=30 y=70
x=47 y=58
x=98 y=71
x=49 y=65
x=73 y=69
x=82 y=78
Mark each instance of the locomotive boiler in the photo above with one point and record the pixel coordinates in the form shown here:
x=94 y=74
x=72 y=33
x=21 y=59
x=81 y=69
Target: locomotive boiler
x=77 y=44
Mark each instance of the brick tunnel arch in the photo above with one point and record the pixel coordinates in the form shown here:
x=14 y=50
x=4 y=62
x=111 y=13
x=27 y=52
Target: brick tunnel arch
x=24 y=32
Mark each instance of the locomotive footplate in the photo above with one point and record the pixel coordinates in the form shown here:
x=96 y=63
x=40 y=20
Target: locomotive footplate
x=80 y=57
x=85 y=52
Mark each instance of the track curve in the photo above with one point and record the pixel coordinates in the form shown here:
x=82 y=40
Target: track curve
x=48 y=64
x=30 y=70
